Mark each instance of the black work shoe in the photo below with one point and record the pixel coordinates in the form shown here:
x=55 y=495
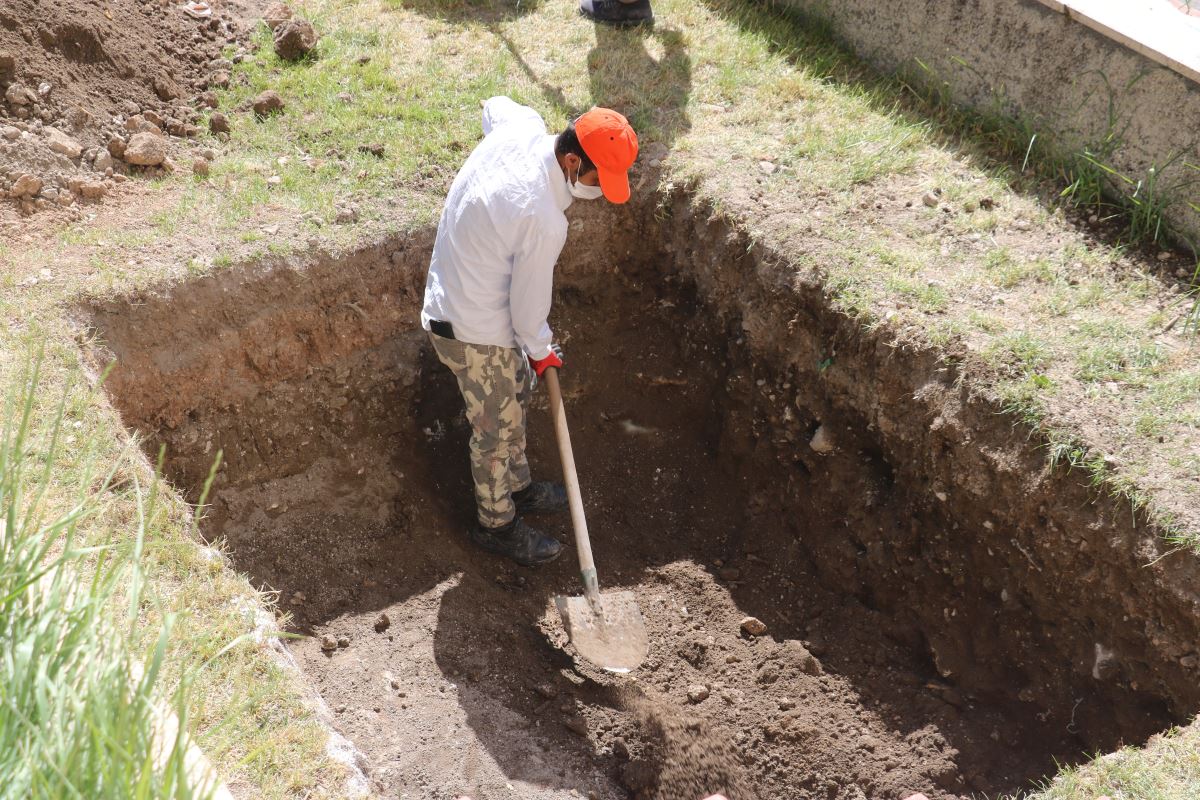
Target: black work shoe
x=518 y=541
x=615 y=12
x=541 y=497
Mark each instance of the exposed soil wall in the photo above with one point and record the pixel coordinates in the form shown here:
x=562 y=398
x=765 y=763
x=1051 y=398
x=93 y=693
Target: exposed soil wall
x=945 y=614
x=1021 y=58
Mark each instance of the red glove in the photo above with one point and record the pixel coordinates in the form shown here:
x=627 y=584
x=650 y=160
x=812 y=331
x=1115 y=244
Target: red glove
x=553 y=360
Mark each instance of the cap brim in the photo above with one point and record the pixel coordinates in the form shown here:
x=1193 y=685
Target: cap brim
x=615 y=185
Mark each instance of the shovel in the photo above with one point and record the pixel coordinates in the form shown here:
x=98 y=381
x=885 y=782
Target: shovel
x=607 y=629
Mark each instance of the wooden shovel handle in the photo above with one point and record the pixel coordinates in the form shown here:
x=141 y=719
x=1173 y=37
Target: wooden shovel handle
x=587 y=567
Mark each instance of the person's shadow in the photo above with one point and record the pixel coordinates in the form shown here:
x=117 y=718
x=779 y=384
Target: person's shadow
x=646 y=74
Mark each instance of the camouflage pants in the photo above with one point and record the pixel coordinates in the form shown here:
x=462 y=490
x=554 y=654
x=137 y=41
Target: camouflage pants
x=495 y=386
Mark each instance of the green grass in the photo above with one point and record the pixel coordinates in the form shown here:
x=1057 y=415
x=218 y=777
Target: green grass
x=1164 y=770
x=80 y=709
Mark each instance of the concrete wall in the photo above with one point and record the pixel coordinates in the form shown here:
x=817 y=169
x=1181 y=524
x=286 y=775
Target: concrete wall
x=1039 y=64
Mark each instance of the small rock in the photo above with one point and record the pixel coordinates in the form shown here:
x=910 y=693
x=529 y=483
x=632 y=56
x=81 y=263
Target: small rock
x=577 y=725
x=103 y=161
x=61 y=143
x=970 y=206
x=697 y=693
x=219 y=79
x=822 y=440
x=383 y=622
x=930 y=199
x=767 y=167
x=218 y=123
x=166 y=89
x=328 y=643
x=19 y=95
x=139 y=124
x=729 y=573
x=93 y=189
x=146 y=149
x=9 y=132
x=274 y=181
x=917 y=796
x=343 y=642
x=116 y=147
x=345 y=215
x=546 y=690
x=200 y=167
x=1165 y=255
x=1189 y=662
x=987 y=204
x=345 y=97
x=374 y=149
x=267 y=103
x=395 y=683
x=787 y=704
x=754 y=626
x=277 y=14
x=208 y=100
x=25 y=186
x=8 y=65
x=294 y=39
x=1023 y=225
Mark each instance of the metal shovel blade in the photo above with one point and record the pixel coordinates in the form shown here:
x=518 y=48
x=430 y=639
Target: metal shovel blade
x=608 y=631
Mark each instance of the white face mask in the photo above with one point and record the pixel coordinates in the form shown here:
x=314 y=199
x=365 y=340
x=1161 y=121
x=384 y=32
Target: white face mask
x=582 y=190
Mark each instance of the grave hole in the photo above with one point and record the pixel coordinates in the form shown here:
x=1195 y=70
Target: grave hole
x=920 y=634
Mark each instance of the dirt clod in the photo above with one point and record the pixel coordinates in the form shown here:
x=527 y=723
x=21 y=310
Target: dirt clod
x=382 y=622
x=26 y=185
x=146 y=149
x=328 y=643
x=19 y=95
x=294 y=39
x=753 y=626
x=62 y=143
x=277 y=14
x=200 y=167
x=218 y=123
x=267 y=103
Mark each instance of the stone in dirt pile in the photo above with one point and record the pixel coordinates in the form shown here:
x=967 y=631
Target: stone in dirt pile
x=146 y=149
x=294 y=39
x=68 y=89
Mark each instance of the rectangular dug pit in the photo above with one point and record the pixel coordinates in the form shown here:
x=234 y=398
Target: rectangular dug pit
x=916 y=566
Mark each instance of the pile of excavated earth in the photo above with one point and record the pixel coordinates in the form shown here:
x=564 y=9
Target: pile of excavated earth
x=92 y=93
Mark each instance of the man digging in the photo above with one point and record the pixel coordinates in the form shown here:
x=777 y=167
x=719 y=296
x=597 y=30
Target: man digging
x=488 y=292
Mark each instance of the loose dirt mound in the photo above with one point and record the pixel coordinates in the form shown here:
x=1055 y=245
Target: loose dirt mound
x=77 y=76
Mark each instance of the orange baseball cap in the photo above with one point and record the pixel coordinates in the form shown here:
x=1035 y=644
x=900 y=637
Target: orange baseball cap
x=611 y=144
